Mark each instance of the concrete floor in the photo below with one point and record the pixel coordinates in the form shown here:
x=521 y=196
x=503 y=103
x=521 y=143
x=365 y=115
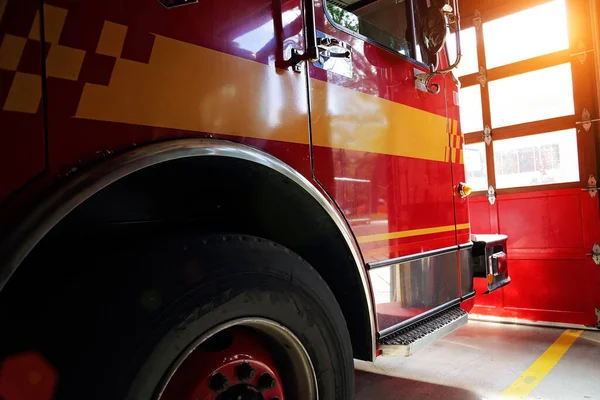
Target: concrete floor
x=480 y=361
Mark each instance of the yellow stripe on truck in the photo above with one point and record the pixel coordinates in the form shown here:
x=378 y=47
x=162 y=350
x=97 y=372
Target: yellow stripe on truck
x=410 y=233
x=189 y=87
x=344 y=118
x=193 y=88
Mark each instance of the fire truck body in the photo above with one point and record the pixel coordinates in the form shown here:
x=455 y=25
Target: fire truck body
x=129 y=125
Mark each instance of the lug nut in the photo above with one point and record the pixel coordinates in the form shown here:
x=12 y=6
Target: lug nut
x=218 y=382
x=245 y=372
x=266 y=382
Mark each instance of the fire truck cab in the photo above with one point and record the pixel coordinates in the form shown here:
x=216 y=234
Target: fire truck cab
x=204 y=199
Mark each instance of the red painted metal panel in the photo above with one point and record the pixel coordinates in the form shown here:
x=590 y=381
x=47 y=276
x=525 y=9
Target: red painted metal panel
x=549 y=234
x=468 y=305
x=548 y=220
x=396 y=194
x=492 y=300
x=209 y=25
x=408 y=193
x=544 y=285
x=461 y=205
x=479 y=208
x=74 y=143
x=22 y=142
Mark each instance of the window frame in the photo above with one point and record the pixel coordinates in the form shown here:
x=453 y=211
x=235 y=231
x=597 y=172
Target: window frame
x=585 y=145
x=364 y=38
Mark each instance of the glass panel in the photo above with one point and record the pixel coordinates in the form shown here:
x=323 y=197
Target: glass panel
x=526 y=34
x=475 y=167
x=533 y=96
x=468 y=41
x=384 y=21
x=537 y=159
x=471 y=118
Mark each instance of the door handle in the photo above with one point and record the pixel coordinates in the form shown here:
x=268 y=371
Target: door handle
x=327 y=44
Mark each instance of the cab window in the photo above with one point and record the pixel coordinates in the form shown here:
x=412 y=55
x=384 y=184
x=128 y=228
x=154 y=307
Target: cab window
x=388 y=23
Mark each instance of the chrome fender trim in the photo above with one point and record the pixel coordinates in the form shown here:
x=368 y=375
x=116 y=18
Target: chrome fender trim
x=59 y=204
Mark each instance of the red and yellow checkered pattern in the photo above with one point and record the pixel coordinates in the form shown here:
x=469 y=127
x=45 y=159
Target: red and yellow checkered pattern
x=20 y=54
x=454 y=151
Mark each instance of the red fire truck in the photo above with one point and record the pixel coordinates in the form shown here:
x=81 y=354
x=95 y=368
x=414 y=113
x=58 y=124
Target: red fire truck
x=207 y=199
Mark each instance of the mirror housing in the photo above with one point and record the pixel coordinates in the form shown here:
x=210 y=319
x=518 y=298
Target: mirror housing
x=434 y=30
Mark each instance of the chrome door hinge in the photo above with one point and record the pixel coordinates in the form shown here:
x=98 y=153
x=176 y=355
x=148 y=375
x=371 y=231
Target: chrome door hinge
x=595 y=254
x=586 y=120
x=491 y=195
x=592 y=186
x=487 y=135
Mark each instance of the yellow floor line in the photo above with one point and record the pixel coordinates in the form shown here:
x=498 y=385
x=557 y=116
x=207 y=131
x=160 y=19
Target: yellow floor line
x=532 y=377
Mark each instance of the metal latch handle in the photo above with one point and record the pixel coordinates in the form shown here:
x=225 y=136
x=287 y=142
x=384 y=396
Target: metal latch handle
x=326 y=43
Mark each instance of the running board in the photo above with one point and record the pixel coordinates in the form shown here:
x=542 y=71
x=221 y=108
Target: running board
x=408 y=340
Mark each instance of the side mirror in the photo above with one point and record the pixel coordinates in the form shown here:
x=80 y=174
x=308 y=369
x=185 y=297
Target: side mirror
x=434 y=31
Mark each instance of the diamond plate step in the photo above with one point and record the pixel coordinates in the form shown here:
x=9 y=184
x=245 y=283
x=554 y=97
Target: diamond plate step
x=408 y=340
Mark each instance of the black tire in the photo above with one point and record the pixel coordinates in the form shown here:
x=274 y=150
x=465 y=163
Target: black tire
x=163 y=293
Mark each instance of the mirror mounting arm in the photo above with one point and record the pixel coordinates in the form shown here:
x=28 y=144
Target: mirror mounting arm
x=434 y=88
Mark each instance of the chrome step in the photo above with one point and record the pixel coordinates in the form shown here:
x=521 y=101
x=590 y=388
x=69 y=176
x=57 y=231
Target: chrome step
x=408 y=340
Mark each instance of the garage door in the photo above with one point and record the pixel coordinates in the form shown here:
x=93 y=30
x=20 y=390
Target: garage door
x=527 y=110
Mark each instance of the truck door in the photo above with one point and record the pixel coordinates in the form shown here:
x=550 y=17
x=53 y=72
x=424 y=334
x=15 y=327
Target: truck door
x=381 y=149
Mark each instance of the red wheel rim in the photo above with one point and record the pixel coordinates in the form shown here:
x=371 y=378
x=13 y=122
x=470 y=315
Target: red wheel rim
x=250 y=360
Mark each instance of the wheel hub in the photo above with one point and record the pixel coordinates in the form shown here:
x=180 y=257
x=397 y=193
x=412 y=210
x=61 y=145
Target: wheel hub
x=232 y=365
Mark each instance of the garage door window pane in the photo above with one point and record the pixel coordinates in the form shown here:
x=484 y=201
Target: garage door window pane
x=537 y=159
x=526 y=34
x=475 y=167
x=533 y=96
x=471 y=119
x=468 y=62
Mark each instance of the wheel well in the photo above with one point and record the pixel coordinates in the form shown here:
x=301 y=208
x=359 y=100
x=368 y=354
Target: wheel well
x=217 y=195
